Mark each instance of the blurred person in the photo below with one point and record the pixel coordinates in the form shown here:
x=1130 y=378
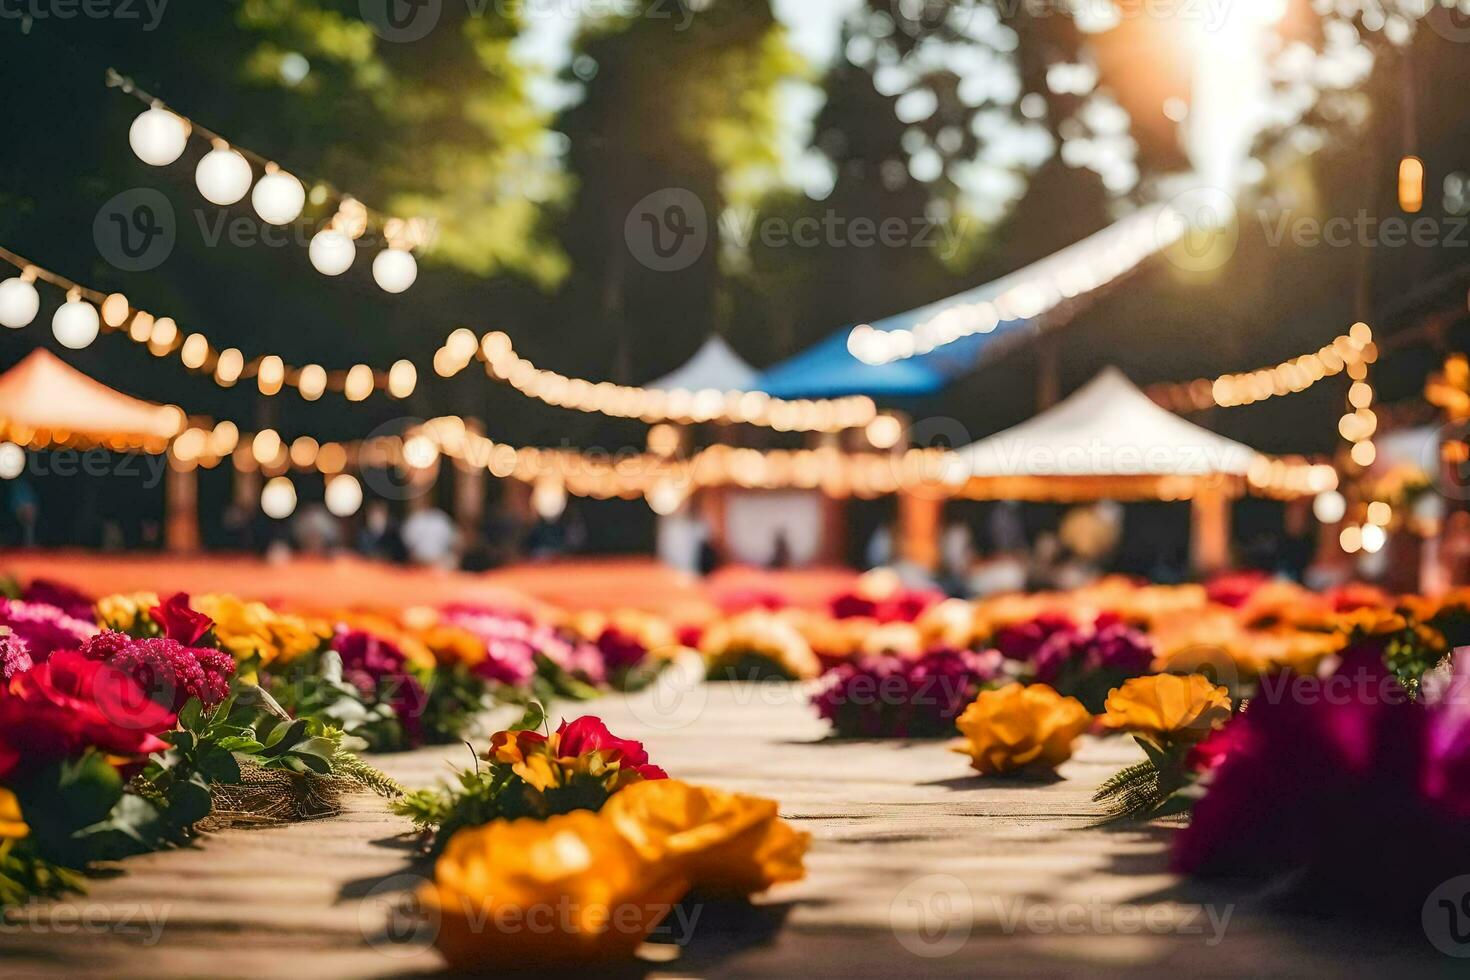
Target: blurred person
x=315 y=531
x=957 y=553
x=379 y=538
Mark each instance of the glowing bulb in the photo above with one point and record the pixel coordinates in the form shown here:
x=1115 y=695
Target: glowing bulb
x=266 y=446
x=884 y=432
x=331 y=252
x=271 y=374
x=278 y=498
x=227 y=369
x=359 y=383
x=12 y=460
x=278 y=198
x=549 y=499
x=419 y=452
x=223 y=176
x=75 y=323
x=343 y=495
x=1379 y=513
x=395 y=269
x=1329 y=507
x=665 y=499
x=158 y=136
x=195 y=351
x=19 y=303
x=1411 y=184
x=1364 y=454
x=1351 y=539
x=115 y=310
x=403 y=377
x=1373 y=538
x=312 y=382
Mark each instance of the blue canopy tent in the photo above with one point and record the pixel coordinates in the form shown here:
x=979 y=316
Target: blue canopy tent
x=829 y=370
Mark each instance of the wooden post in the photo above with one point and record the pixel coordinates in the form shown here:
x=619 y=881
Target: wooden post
x=469 y=488
x=919 y=519
x=1209 y=530
x=181 y=507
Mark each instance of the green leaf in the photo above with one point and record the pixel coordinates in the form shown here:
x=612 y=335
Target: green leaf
x=218 y=765
x=191 y=715
x=533 y=719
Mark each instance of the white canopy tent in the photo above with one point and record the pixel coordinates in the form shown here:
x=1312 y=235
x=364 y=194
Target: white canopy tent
x=714 y=367
x=1108 y=440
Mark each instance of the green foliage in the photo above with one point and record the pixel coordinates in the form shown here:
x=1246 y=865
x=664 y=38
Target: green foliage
x=313 y=688
x=455 y=696
x=1161 y=785
x=25 y=874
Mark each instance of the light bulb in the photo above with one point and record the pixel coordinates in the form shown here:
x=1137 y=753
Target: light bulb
x=75 y=324
x=1329 y=507
x=331 y=252
x=278 y=498
x=19 y=303
x=158 y=136
x=278 y=198
x=223 y=176
x=12 y=460
x=343 y=495
x=395 y=269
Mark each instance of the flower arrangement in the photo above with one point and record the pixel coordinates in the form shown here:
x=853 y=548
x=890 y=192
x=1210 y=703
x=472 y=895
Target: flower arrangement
x=1087 y=662
x=1018 y=728
x=1356 y=792
x=889 y=696
x=530 y=774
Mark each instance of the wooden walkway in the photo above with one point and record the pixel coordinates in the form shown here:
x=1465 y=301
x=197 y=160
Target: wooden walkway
x=916 y=870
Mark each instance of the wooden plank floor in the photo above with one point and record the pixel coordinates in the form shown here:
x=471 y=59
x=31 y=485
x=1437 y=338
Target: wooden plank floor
x=916 y=870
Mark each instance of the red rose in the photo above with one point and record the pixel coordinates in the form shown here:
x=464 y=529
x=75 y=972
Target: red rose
x=179 y=622
x=61 y=708
x=589 y=734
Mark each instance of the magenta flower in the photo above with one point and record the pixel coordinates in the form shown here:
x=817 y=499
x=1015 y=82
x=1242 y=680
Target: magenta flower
x=1344 y=782
x=888 y=696
x=1087 y=662
x=44 y=628
x=378 y=669
x=14 y=659
x=513 y=643
x=1021 y=642
x=48 y=593
x=169 y=672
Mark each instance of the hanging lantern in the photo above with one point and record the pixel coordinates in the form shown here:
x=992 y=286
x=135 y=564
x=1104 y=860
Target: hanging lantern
x=158 y=136
x=1411 y=184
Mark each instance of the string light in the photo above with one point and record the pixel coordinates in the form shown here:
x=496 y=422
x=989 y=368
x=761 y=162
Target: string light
x=1074 y=271
x=1411 y=184
x=1296 y=375
x=19 y=301
x=656 y=405
x=159 y=136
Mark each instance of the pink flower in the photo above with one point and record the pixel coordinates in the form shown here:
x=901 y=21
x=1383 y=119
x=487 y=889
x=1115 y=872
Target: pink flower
x=13 y=656
x=44 y=628
x=589 y=734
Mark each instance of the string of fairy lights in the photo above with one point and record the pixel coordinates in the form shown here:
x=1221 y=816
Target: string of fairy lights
x=224 y=175
x=87 y=312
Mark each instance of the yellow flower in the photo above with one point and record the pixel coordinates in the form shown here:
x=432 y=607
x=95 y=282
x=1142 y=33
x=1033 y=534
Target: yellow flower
x=1017 y=727
x=529 y=894
x=12 y=824
x=728 y=845
x=759 y=634
x=1168 y=706
x=253 y=629
x=122 y=611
